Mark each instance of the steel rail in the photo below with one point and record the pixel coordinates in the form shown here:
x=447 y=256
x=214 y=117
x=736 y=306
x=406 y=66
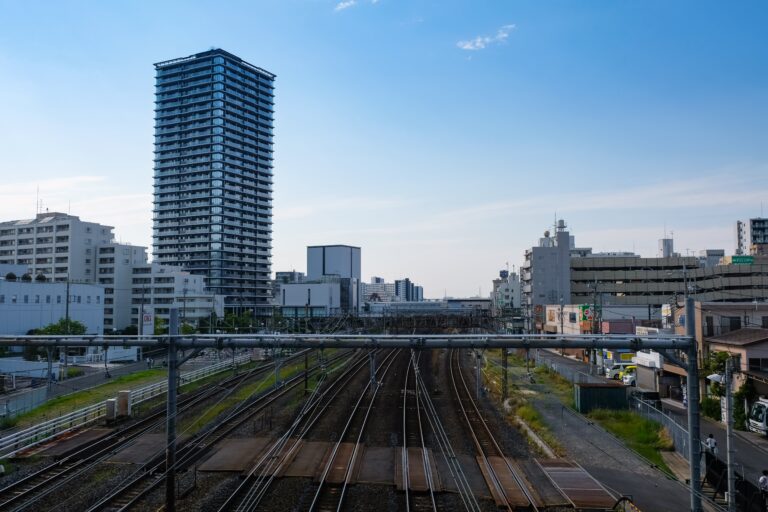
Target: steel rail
x=482 y=451
x=413 y=364
x=388 y=360
x=52 y=477
x=191 y=450
x=262 y=474
x=449 y=454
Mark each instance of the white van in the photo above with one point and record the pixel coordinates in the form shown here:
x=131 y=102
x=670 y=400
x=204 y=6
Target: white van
x=615 y=367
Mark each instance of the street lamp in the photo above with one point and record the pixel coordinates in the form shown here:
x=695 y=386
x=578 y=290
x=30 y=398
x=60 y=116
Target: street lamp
x=726 y=380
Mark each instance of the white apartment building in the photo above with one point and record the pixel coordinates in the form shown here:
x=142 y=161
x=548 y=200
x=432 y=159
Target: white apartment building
x=114 y=264
x=56 y=245
x=162 y=287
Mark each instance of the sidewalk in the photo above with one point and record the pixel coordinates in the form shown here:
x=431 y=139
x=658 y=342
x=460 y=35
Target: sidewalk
x=603 y=455
x=751 y=450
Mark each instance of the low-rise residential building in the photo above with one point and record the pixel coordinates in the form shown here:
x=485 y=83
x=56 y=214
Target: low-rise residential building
x=505 y=295
x=158 y=288
x=114 y=266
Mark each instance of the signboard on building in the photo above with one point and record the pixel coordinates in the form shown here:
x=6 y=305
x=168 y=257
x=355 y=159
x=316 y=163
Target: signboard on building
x=148 y=322
x=742 y=260
x=587 y=312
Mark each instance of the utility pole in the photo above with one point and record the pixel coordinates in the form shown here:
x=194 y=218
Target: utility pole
x=729 y=435
x=66 y=317
x=141 y=312
x=694 y=428
x=170 y=425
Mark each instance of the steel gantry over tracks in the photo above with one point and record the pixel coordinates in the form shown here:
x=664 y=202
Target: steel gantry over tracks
x=668 y=345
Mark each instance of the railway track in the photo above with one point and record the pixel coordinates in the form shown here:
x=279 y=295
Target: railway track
x=28 y=491
x=251 y=492
x=329 y=496
x=413 y=437
x=152 y=474
x=506 y=484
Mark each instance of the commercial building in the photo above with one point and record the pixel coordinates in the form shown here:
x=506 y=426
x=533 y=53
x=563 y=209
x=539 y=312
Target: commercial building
x=213 y=173
x=545 y=276
x=709 y=258
x=26 y=305
x=332 y=285
x=752 y=237
x=61 y=247
x=285 y=277
x=342 y=261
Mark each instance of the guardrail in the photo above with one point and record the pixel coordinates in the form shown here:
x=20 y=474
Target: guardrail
x=47 y=430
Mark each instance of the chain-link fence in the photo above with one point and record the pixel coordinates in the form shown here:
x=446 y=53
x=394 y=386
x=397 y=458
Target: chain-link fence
x=569 y=372
x=677 y=432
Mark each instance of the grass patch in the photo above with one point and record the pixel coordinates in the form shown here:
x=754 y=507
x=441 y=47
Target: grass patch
x=559 y=385
x=518 y=403
x=644 y=436
x=242 y=393
x=68 y=403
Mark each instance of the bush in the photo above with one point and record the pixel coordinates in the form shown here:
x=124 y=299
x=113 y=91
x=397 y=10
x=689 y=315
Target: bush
x=710 y=407
x=74 y=372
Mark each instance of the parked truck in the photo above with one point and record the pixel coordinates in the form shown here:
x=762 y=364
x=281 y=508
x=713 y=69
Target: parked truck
x=758 y=416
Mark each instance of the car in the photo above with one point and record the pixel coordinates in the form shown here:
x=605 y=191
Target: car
x=628 y=369
x=629 y=379
x=613 y=371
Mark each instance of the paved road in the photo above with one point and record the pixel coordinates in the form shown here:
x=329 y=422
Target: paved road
x=602 y=455
x=751 y=450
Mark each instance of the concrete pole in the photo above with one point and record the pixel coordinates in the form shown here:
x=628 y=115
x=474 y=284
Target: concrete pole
x=504 y=366
x=694 y=434
x=278 y=366
x=306 y=373
x=49 y=352
x=477 y=374
x=729 y=435
x=170 y=425
x=372 y=363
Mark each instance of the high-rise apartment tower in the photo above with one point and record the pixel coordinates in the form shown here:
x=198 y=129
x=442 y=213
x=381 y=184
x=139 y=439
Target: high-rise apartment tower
x=213 y=173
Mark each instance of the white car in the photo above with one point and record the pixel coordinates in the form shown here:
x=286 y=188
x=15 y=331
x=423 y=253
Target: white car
x=629 y=379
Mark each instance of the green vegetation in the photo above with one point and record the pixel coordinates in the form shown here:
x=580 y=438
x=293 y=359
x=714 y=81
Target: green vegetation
x=243 y=393
x=74 y=372
x=68 y=403
x=559 y=385
x=644 y=436
x=746 y=392
x=60 y=328
x=710 y=407
x=518 y=403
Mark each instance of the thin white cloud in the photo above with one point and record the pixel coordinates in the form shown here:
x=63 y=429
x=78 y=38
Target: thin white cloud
x=344 y=4
x=481 y=42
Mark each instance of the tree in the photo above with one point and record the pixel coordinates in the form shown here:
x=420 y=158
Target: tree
x=715 y=363
x=40 y=278
x=26 y=278
x=10 y=276
x=61 y=328
x=64 y=327
x=746 y=393
x=131 y=330
x=161 y=326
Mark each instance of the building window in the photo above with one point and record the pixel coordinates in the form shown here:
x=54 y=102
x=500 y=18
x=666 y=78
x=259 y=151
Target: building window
x=88 y=299
x=58 y=299
x=2 y=299
x=765 y=322
x=14 y=298
x=26 y=299
x=47 y=299
x=729 y=323
x=37 y=299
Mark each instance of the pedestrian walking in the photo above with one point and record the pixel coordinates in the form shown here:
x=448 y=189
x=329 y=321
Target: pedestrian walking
x=762 y=484
x=711 y=444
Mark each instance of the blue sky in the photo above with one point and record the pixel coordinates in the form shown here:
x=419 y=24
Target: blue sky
x=440 y=136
